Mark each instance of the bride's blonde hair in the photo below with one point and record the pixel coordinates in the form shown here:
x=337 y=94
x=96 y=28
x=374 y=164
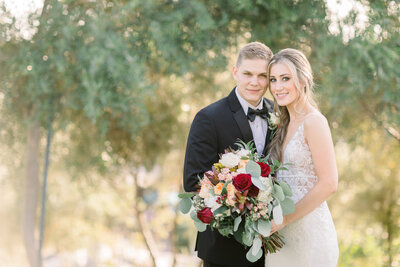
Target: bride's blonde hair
x=303 y=79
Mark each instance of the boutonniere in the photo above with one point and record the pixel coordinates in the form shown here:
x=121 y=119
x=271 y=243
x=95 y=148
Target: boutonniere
x=273 y=120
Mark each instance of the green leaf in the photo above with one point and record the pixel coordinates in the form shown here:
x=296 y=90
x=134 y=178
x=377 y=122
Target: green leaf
x=264 y=227
x=185 y=204
x=257 y=182
x=249 y=226
x=186 y=195
x=193 y=215
x=201 y=227
x=237 y=222
x=277 y=214
x=253 y=169
x=256 y=246
x=247 y=238
x=277 y=163
x=225 y=231
x=220 y=210
x=250 y=257
x=224 y=190
x=286 y=188
x=238 y=235
x=278 y=192
x=287 y=206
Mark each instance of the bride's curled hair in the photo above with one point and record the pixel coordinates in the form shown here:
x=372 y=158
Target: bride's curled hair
x=302 y=76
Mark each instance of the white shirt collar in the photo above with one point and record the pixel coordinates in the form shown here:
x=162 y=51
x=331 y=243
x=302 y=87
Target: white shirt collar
x=245 y=105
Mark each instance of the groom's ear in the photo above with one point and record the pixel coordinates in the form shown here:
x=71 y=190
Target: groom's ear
x=234 y=72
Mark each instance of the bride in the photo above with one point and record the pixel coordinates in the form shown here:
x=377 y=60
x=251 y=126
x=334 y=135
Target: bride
x=303 y=139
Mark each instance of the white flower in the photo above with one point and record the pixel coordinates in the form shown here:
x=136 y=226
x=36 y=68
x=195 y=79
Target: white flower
x=229 y=160
x=273 y=120
x=205 y=191
x=243 y=152
x=211 y=203
x=265 y=195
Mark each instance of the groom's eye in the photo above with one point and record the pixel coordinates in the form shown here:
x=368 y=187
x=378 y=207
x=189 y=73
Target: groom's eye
x=272 y=80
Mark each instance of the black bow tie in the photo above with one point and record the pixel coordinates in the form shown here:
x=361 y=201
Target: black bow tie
x=252 y=113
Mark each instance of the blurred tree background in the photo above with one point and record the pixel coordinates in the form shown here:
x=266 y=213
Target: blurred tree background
x=117 y=83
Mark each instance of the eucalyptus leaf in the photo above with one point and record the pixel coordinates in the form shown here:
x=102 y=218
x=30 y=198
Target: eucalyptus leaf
x=186 y=195
x=264 y=227
x=277 y=214
x=253 y=169
x=237 y=222
x=185 y=204
x=256 y=246
x=279 y=192
x=251 y=258
x=287 y=206
x=247 y=238
x=220 y=210
x=193 y=215
x=201 y=227
x=286 y=189
x=238 y=235
x=257 y=182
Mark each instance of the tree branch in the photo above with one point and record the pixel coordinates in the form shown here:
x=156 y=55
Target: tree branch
x=389 y=129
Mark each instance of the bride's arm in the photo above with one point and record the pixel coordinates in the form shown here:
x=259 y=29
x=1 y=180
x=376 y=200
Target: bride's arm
x=319 y=139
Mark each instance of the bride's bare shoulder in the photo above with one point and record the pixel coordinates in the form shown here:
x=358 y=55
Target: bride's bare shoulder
x=315 y=123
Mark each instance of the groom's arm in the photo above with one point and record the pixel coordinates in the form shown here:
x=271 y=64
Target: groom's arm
x=201 y=150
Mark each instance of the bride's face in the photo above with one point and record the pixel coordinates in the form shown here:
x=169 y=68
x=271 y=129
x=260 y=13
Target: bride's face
x=282 y=85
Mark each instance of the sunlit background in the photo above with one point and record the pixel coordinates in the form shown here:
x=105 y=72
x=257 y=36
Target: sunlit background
x=117 y=84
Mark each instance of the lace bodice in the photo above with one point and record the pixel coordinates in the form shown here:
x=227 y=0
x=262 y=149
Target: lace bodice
x=300 y=174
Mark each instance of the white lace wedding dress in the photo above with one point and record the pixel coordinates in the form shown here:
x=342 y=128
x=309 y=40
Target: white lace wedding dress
x=310 y=241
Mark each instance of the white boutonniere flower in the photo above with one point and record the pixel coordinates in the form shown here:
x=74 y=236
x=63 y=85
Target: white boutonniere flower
x=273 y=121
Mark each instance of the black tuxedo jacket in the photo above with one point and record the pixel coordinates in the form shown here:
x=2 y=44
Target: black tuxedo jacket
x=215 y=128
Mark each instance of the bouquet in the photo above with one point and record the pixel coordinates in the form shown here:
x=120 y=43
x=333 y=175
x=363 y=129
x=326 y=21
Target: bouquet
x=239 y=197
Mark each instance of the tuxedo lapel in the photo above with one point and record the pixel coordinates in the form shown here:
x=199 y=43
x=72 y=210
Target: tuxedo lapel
x=240 y=117
x=244 y=126
x=268 y=136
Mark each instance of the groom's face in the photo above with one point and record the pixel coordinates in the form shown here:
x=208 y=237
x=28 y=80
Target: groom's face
x=251 y=79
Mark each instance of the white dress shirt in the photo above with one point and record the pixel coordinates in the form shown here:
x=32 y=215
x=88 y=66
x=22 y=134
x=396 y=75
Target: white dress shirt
x=259 y=126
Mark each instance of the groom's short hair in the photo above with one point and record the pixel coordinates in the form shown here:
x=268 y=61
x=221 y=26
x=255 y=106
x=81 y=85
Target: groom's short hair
x=254 y=50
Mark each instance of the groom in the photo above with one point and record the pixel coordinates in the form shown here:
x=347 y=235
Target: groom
x=240 y=115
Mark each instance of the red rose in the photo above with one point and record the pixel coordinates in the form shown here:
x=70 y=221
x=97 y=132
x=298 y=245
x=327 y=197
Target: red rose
x=253 y=191
x=265 y=169
x=242 y=182
x=205 y=215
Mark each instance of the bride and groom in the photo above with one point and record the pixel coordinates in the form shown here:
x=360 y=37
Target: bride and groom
x=302 y=139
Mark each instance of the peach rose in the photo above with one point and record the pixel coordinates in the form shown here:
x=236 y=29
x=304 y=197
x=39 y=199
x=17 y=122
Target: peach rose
x=242 y=163
x=218 y=188
x=231 y=199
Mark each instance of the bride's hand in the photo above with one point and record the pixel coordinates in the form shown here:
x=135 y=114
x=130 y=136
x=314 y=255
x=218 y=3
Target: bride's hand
x=276 y=227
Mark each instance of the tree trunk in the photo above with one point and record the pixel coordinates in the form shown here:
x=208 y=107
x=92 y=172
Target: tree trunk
x=143 y=228
x=31 y=192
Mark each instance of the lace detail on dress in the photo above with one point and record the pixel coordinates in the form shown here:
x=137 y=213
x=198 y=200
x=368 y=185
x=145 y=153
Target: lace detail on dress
x=300 y=174
x=310 y=241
